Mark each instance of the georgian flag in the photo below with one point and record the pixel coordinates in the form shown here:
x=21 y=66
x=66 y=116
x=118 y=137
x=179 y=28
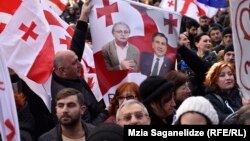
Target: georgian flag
x=9 y=126
x=58 y=5
x=194 y=8
x=7 y=9
x=30 y=41
x=144 y=21
x=168 y=5
x=25 y=41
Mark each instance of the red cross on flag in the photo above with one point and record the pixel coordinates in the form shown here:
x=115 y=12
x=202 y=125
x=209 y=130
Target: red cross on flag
x=29 y=42
x=9 y=126
x=7 y=9
x=168 y=5
x=191 y=8
x=143 y=21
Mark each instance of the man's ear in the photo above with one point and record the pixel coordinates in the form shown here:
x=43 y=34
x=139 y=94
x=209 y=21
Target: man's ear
x=83 y=109
x=60 y=70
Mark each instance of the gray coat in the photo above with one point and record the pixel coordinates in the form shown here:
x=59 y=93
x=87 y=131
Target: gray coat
x=111 y=58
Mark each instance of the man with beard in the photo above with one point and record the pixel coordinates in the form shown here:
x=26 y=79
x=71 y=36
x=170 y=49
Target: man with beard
x=191 y=31
x=216 y=36
x=69 y=109
x=204 y=25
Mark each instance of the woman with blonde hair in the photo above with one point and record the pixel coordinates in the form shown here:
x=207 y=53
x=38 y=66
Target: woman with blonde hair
x=222 y=90
x=126 y=91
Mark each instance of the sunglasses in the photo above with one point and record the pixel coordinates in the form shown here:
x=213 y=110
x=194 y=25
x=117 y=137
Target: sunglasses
x=137 y=115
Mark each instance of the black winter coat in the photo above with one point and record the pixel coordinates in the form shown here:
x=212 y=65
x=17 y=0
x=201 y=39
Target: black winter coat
x=224 y=104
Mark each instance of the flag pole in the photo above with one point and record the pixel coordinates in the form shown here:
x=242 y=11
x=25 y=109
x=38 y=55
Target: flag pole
x=175 y=5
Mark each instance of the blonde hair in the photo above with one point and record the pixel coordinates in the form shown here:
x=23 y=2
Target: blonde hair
x=214 y=72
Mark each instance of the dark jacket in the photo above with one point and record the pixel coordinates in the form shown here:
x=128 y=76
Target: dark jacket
x=147 y=63
x=224 y=104
x=231 y=119
x=95 y=112
x=199 y=67
x=218 y=48
x=26 y=123
x=55 y=134
x=42 y=117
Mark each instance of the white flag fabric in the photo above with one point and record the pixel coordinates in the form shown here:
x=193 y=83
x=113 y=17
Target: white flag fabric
x=30 y=41
x=7 y=9
x=9 y=126
x=144 y=21
x=58 y=5
x=89 y=72
x=241 y=40
x=27 y=42
x=168 y=5
x=191 y=8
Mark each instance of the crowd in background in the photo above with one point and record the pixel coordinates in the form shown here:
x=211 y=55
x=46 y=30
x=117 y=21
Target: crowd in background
x=201 y=91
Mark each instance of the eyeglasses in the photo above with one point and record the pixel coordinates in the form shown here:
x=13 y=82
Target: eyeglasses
x=138 y=115
x=124 y=32
x=126 y=97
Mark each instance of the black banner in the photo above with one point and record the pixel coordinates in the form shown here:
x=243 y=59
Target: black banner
x=175 y=132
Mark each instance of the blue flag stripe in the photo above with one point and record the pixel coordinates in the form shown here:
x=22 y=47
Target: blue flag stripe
x=214 y=3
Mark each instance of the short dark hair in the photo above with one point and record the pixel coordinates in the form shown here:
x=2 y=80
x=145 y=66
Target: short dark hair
x=191 y=22
x=66 y=92
x=159 y=34
x=198 y=37
x=204 y=17
x=214 y=28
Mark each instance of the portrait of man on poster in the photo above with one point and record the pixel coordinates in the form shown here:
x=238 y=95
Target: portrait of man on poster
x=119 y=54
x=156 y=62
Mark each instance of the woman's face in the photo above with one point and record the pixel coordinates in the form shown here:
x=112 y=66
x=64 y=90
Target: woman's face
x=182 y=92
x=204 y=44
x=226 y=79
x=169 y=106
x=126 y=95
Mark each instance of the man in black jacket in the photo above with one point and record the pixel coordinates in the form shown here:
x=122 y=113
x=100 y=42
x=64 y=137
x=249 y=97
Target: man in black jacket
x=69 y=108
x=66 y=73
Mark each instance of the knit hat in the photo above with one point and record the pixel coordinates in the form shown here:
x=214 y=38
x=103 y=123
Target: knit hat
x=229 y=48
x=154 y=87
x=106 y=132
x=197 y=104
x=226 y=30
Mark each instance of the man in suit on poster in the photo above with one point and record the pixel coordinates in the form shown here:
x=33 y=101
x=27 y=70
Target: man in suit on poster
x=119 y=54
x=156 y=63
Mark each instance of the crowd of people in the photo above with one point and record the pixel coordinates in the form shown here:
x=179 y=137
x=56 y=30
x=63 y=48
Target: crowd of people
x=202 y=90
